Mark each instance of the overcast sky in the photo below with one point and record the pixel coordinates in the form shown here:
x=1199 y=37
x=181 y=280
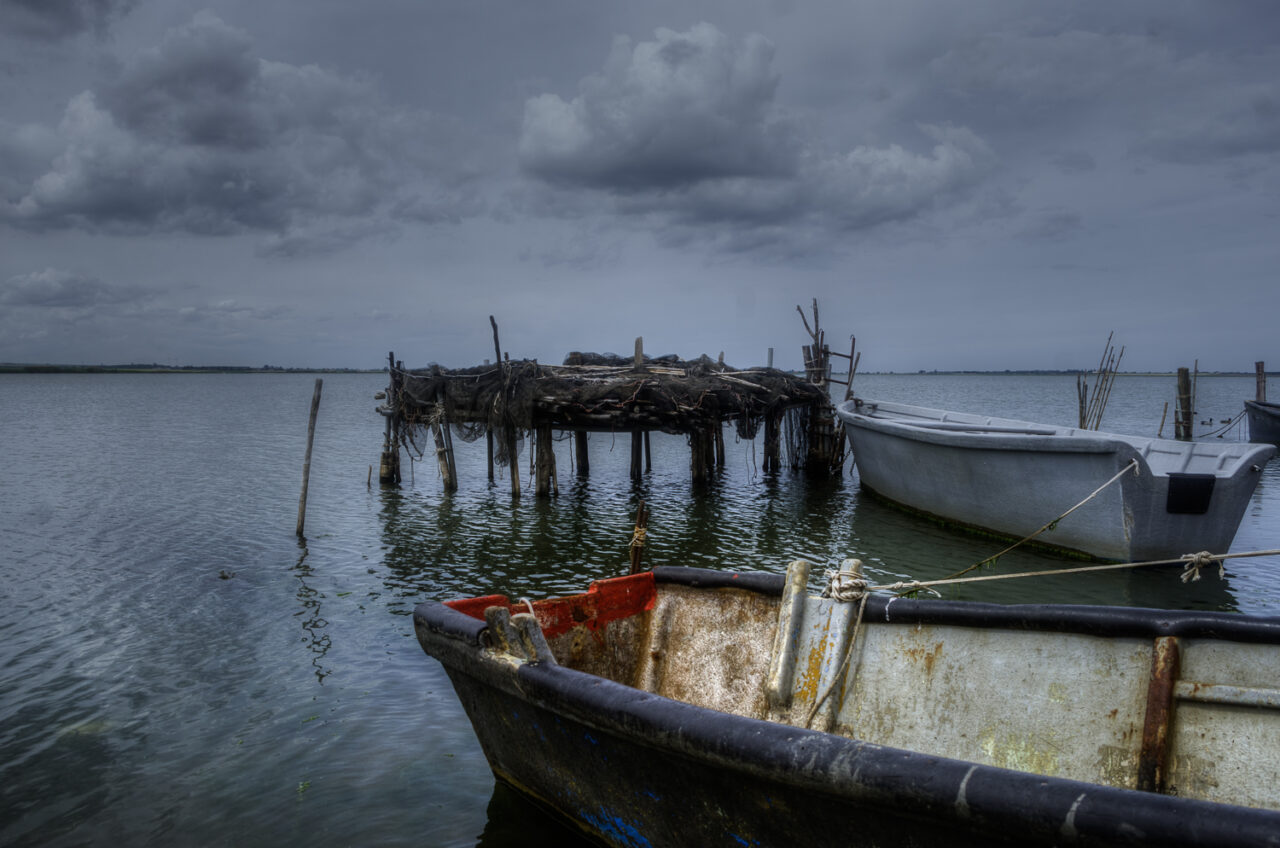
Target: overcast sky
x=976 y=185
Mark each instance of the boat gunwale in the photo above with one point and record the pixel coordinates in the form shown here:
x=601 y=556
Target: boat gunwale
x=1008 y=434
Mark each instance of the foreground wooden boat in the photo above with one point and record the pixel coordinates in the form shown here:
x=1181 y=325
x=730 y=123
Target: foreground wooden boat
x=670 y=709
x=1264 y=421
x=1012 y=477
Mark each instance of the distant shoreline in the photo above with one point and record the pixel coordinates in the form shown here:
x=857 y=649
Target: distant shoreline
x=16 y=368
x=25 y=368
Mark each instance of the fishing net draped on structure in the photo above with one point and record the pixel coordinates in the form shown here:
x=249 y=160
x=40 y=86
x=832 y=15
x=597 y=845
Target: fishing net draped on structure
x=596 y=392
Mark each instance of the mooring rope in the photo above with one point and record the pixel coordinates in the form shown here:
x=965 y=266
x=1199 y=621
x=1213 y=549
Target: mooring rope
x=1133 y=465
x=1194 y=564
x=843 y=586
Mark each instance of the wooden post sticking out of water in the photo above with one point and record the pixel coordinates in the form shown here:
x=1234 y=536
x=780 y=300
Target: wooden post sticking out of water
x=488 y=440
x=1260 y=376
x=698 y=457
x=389 y=463
x=306 y=463
x=513 y=463
x=584 y=459
x=545 y=462
x=717 y=432
x=637 y=453
x=772 y=442
x=637 y=537
x=1182 y=415
x=639 y=360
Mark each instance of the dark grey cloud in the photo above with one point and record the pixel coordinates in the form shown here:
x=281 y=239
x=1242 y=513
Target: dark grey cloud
x=686 y=130
x=200 y=135
x=51 y=20
x=54 y=288
x=683 y=108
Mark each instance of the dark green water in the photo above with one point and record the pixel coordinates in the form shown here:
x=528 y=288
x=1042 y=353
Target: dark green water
x=177 y=668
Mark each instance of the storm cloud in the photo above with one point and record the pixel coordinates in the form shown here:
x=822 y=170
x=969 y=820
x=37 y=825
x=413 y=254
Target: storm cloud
x=200 y=135
x=686 y=129
x=313 y=183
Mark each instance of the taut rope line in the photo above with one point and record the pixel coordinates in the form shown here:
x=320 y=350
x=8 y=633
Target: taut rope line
x=1193 y=562
x=1133 y=465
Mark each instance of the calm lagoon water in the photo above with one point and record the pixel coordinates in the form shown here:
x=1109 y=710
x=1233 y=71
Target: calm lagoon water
x=177 y=668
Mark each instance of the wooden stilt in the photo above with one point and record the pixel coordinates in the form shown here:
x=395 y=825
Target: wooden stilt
x=717 y=431
x=772 y=442
x=648 y=454
x=584 y=459
x=1260 y=380
x=488 y=438
x=544 y=462
x=513 y=463
x=637 y=443
x=442 y=458
x=698 y=457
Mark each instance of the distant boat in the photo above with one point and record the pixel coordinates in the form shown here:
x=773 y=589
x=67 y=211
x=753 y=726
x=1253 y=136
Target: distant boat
x=1012 y=477
x=688 y=707
x=1264 y=421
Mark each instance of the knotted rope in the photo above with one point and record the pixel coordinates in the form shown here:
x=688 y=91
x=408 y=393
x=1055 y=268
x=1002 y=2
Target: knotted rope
x=1195 y=562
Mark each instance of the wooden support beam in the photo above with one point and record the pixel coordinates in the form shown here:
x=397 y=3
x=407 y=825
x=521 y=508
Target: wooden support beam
x=648 y=454
x=545 y=461
x=584 y=459
x=1260 y=380
x=637 y=452
x=717 y=432
x=513 y=463
x=488 y=439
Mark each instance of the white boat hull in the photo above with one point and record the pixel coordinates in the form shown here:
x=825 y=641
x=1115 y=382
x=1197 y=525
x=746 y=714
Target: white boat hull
x=1011 y=477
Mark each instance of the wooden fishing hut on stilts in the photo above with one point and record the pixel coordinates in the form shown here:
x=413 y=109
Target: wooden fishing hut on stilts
x=595 y=393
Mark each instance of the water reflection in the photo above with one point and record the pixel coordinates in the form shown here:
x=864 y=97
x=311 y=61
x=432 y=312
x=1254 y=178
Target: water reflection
x=314 y=624
x=514 y=819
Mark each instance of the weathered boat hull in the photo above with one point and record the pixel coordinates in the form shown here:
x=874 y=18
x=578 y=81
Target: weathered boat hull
x=1264 y=421
x=632 y=766
x=1010 y=478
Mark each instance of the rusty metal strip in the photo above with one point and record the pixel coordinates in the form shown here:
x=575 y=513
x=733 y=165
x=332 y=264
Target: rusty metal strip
x=1165 y=662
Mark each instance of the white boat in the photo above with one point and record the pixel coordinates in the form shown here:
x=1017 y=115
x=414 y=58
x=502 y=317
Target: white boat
x=1010 y=478
x=1264 y=421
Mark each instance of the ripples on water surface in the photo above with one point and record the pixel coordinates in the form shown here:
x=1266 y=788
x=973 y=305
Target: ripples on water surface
x=176 y=668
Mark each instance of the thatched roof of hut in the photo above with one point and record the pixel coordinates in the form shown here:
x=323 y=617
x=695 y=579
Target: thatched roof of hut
x=597 y=392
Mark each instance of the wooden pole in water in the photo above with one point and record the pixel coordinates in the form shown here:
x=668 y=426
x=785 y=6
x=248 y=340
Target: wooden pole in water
x=544 y=462
x=488 y=439
x=772 y=449
x=306 y=463
x=513 y=463
x=584 y=459
x=637 y=448
x=1260 y=376
x=637 y=537
x=648 y=454
x=717 y=432
x=1182 y=419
